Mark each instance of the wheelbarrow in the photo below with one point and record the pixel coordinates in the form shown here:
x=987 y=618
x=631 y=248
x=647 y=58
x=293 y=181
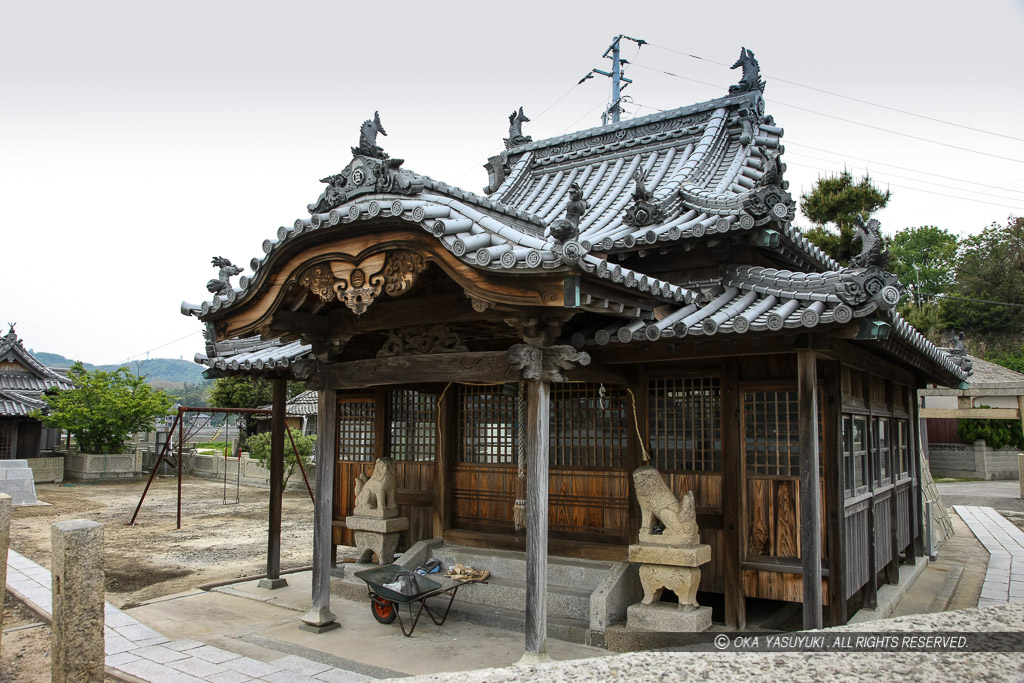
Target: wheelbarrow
x=385 y=604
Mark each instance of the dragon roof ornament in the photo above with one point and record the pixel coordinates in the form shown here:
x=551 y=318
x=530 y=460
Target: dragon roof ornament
x=222 y=283
x=371 y=170
x=751 y=78
x=515 y=130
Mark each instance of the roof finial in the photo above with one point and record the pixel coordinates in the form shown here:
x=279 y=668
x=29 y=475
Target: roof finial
x=751 y=79
x=515 y=130
x=11 y=332
x=222 y=283
x=368 y=138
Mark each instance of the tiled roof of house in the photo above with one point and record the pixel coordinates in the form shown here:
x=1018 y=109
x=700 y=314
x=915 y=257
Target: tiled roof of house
x=23 y=378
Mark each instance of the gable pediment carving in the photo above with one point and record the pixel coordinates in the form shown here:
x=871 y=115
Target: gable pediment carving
x=358 y=284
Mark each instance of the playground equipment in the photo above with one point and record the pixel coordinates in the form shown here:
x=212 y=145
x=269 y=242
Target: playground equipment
x=179 y=424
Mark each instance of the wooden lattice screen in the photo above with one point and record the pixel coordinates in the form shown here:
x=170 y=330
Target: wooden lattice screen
x=589 y=426
x=356 y=430
x=685 y=424
x=487 y=425
x=771 y=430
x=413 y=425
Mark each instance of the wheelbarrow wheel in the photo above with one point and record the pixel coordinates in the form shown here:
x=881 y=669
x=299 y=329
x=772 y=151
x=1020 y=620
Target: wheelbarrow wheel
x=383 y=610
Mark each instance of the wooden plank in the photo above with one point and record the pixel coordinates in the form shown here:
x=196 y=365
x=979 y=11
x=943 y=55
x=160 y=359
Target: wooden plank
x=973 y=413
x=538 y=409
x=893 y=568
x=833 y=458
x=920 y=433
x=732 y=506
x=810 y=508
x=871 y=587
x=484 y=366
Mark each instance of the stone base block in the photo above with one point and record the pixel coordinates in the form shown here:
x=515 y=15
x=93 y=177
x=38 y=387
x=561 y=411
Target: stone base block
x=681 y=556
x=377 y=525
x=17 y=481
x=667 y=617
x=272 y=584
x=323 y=628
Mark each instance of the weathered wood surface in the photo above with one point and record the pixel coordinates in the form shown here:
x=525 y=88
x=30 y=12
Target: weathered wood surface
x=277 y=426
x=777 y=585
x=482 y=366
x=810 y=503
x=732 y=505
x=856 y=560
x=834 y=528
x=323 y=509
x=538 y=410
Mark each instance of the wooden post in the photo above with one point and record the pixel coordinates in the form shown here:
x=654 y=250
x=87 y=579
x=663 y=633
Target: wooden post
x=916 y=463
x=732 y=505
x=835 y=510
x=892 y=570
x=810 y=504
x=912 y=511
x=871 y=587
x=277 y=422
x=320 y=618
x=538 y=408
x=1020 y=456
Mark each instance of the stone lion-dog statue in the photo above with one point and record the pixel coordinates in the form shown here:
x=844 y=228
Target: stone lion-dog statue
x=657 y=501
x=375 y=496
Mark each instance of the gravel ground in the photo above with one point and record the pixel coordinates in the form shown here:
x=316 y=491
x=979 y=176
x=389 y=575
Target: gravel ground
x=1000 y=495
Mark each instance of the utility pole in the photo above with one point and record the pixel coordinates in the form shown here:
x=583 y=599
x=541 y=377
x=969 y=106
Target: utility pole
x=619 y=82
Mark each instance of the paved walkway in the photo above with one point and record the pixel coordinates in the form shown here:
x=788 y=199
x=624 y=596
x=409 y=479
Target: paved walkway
x=1004 y=579
x=135 y=649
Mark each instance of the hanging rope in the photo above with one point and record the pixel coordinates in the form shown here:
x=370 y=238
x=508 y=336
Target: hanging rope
x=519 y=509
x=636 y=425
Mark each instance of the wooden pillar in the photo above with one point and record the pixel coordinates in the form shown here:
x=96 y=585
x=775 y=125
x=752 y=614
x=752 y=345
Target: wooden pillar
x=916 y=463
x=277 y=426
x=871 y=587
x=538 y=408
x=732 y=505
x=835 y=511
x=913 y=511
x=320 y=618
x=892 y=570
x=810 y=504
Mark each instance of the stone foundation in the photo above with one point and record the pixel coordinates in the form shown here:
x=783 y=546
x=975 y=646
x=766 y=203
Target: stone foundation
x=16 y=481
x=89 y=467
x=47 y=469
x=376 y=536
x=666 y=617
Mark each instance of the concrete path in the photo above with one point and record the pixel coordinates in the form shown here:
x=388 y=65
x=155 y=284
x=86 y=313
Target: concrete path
x=1004 y=579
x=140 y=652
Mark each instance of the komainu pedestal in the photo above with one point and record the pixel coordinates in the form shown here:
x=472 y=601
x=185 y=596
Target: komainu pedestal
x=375 y=522
x=670 y=555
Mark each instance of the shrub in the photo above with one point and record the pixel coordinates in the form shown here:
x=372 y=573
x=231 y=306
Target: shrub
x=259 y=450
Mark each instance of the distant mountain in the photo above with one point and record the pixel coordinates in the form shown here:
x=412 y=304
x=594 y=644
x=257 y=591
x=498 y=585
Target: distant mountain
x=163 y=371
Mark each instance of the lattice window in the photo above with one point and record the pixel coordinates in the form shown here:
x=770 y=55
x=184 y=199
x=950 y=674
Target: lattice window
x=902 y=448
x=771 y=428
x=487 y=425
x=881 y=439
x=685 y=424
x=589 y=428
x=413 y=425
x=855 y=454
x=5 y=440
x=357 y=434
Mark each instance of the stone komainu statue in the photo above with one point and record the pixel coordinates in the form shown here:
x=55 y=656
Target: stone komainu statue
x=375 y=496
x=657 y=501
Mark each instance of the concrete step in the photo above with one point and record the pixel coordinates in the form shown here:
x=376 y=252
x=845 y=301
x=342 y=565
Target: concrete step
x=510 y=564
x=562 y=601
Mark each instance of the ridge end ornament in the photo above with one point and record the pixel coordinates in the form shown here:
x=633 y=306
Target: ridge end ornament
x=751 y=78
x=565 y=231
x=371 y=170
x=515 y=130
x=644 y=210
x=222 y=283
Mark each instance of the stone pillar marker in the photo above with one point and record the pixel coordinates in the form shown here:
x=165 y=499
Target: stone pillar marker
x=78 y=599
x=670 y=555
x=5 y=541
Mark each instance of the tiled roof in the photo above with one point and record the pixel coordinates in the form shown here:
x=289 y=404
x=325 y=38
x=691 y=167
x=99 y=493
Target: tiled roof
x=300 y=404
x=709 y=169
x=15 y=404
x=245 y=354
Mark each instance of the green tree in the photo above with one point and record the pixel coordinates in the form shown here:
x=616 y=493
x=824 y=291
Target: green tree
x=933 y=251
x=837 y=201
x=989 y=268
x=259 y=449
x=104 y=408
x=192 y=395
x=241 y=392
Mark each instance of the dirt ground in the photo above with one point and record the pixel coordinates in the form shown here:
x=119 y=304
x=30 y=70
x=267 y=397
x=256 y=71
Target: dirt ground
x=216 y=542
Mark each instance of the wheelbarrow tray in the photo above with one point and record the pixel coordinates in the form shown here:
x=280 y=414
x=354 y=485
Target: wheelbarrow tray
x=378 y=576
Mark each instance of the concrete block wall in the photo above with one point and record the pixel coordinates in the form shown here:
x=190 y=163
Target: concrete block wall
x=47 y=469
x=973 y=461
x=88 y=467
x=252 y=474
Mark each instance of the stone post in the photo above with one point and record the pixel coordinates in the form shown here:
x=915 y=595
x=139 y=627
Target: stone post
x=77 y=569
x=1020 y=473
x=5 y=538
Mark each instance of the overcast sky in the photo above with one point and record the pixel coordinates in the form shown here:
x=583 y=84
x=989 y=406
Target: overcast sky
x=139 y=139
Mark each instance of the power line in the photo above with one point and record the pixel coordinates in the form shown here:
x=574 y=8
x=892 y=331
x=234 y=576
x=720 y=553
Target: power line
x=138 y=355
x=790 y=143
x=893 y=175
x=846 y=120
x=854 y=99
x=1017 y=207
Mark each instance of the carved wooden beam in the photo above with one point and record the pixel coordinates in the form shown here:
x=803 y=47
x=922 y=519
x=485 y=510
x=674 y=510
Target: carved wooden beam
x=385 y=315
x=485 y=366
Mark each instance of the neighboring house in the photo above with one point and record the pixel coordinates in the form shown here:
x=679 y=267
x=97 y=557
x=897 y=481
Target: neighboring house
x=23 y=379
x=300 y=415
x=993 y=392
x=630 y=292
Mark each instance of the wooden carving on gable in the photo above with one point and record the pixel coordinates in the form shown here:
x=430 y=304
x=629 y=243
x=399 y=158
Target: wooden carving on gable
x=358 y=285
